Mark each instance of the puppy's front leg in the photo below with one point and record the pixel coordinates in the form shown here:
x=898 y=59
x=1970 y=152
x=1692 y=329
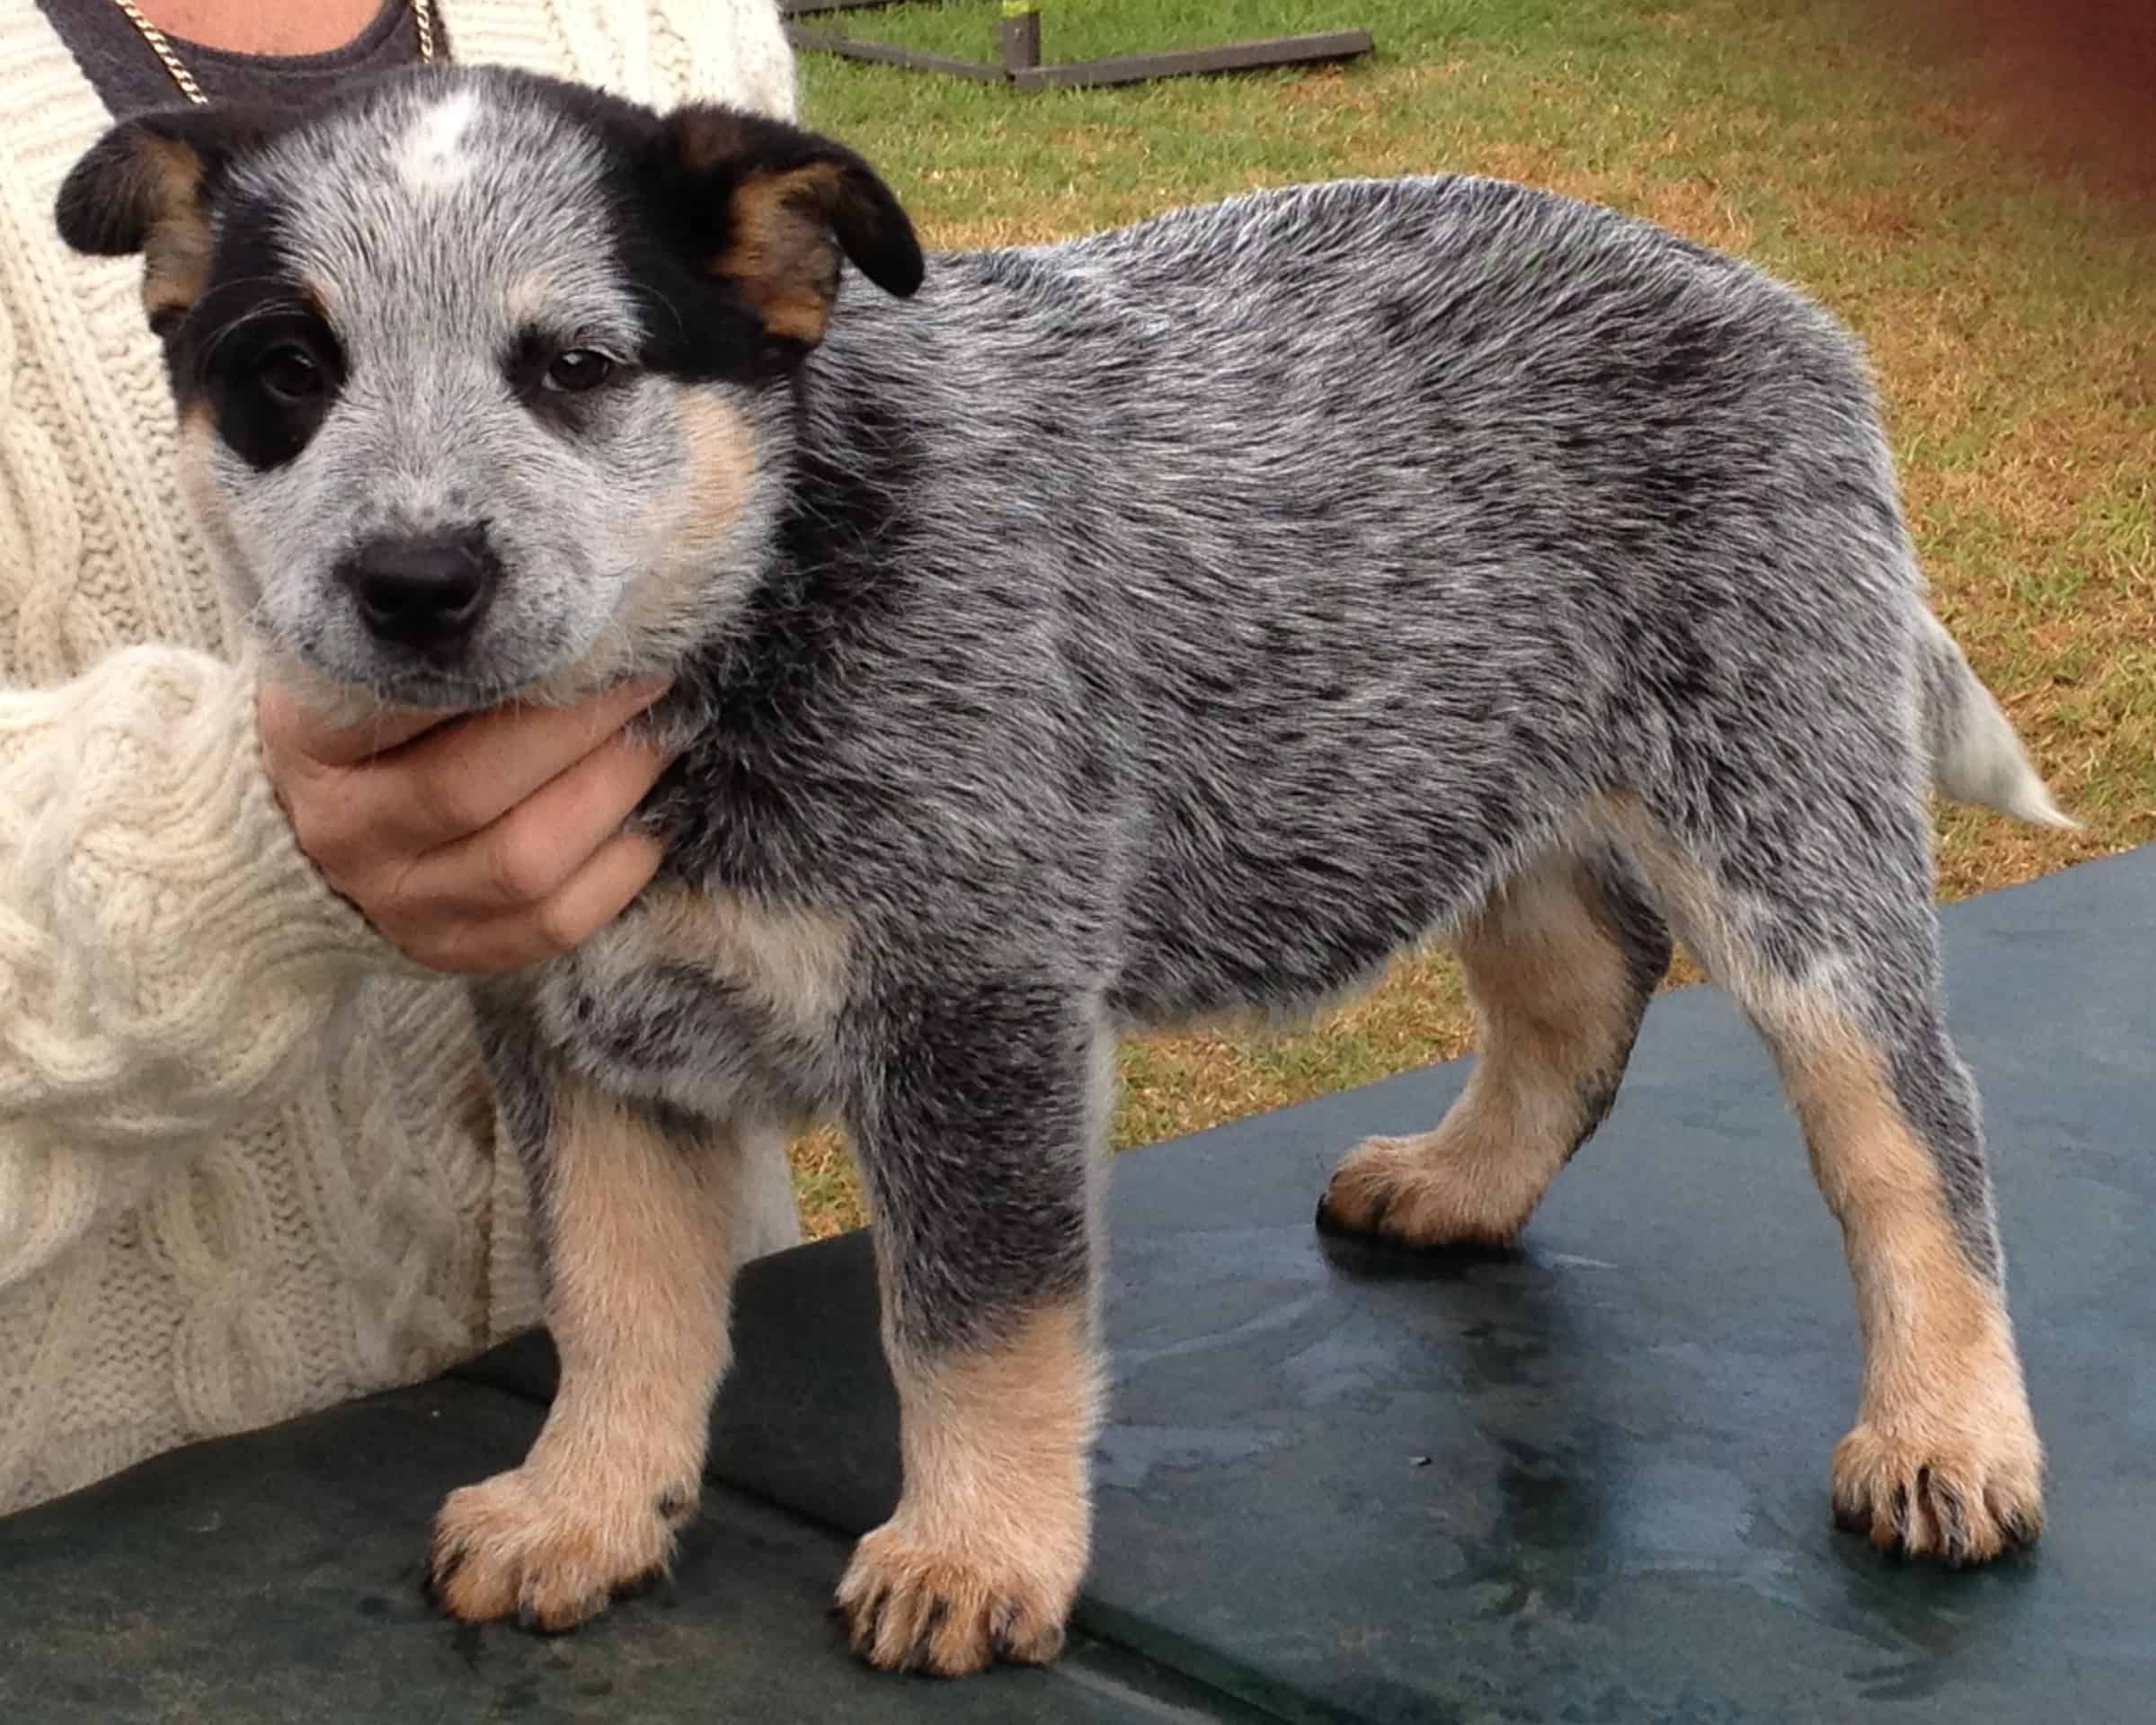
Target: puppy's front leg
x=633 y=1223
x=980 y=1144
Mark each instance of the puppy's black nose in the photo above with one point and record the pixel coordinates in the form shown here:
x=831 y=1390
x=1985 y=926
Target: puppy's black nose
x=424 y=592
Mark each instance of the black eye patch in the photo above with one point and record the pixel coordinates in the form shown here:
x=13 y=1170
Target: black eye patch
x=266 y=364
x=255 y=348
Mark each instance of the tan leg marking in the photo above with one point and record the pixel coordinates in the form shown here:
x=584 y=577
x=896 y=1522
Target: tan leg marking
x=1944 y=1459
x=1556 y=1006
x=984 y=1558
x=792 y=960
x=640 y=1277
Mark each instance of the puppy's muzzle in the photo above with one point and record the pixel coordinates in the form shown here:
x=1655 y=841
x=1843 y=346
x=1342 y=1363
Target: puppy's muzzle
x=423 y=594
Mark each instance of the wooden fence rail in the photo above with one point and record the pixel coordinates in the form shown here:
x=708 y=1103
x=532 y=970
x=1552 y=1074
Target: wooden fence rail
x=1019 y=64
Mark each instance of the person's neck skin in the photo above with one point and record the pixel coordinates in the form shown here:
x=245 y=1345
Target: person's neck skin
x=263 y=26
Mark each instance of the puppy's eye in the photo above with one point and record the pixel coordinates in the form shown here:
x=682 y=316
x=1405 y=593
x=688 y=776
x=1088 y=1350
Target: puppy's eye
x=291 y=375
x=579 y=369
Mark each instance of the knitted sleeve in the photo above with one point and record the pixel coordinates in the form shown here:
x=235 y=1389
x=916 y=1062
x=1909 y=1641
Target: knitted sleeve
x=168 y=957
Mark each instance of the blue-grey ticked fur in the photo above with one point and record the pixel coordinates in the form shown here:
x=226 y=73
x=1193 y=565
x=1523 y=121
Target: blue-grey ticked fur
x=1192 y=617
x=1181 y=620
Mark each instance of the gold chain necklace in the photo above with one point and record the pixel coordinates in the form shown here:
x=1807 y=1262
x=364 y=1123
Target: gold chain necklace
x=423 y=16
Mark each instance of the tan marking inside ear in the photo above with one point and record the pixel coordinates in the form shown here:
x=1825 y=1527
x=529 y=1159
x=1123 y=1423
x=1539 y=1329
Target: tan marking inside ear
x=1945 y=1418
x=991 y=1538
x=1556 y=1008
x=794 y=961
x=638 y=1236
x=176 y=250
x=783 y=258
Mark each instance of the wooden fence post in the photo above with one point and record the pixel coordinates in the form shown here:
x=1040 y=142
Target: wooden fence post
x=1021 y=36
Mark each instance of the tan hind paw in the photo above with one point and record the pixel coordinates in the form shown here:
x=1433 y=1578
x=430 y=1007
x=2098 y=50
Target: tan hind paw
x=1961 y=1496
x=1410 y=1191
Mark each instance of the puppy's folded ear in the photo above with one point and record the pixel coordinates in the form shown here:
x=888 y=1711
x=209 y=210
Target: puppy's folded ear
x=768 y=208
x=147 y=185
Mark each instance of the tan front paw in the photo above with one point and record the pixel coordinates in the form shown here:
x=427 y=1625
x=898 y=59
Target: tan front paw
x=1408 y=1189
x=518 y=1545
x=910 y=1607
x=1963 y=1495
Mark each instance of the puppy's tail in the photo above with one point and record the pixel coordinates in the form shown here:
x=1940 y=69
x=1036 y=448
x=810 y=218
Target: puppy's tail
x=1975 y=755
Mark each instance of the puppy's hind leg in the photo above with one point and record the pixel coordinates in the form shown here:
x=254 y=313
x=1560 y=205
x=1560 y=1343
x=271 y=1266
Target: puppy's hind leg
x=1944 y=1459
x=1559 y=966
x=1840 y=973
x=633 y=1223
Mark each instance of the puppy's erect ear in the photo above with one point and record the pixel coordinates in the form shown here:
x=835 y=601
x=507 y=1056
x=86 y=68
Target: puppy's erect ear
x=770 y=207
x=147 y=186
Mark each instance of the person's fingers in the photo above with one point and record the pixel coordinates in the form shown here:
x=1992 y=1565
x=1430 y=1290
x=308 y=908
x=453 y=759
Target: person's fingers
x=537 y=847
x=586 y=903
x=447 y=785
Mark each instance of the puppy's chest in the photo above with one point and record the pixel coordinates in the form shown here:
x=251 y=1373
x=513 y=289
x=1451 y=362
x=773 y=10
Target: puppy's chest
x=705 y=1002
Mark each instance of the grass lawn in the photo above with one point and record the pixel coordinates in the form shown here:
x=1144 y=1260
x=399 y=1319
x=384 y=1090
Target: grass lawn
x=2008 y=309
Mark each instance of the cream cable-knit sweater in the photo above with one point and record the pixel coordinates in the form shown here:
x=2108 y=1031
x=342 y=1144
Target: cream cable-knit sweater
x=247 y=1159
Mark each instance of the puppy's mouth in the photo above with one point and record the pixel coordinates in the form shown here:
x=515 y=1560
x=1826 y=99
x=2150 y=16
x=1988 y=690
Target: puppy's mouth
x=446 y=690
x=462 y=678
x=335 y=682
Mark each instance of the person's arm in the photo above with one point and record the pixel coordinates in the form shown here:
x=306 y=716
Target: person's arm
x=164 y=946
x=170 y=954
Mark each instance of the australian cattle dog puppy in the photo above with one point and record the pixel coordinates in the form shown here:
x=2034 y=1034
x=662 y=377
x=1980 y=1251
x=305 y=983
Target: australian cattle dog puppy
x=1076 y=637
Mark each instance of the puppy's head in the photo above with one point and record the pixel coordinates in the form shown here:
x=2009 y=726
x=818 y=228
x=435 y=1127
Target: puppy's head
x=481 y=377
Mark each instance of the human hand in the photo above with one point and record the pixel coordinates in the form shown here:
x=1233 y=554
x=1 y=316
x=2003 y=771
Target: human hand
x=475 y=844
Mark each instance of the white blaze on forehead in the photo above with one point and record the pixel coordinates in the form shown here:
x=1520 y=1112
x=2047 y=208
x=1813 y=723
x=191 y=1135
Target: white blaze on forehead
x=431 y=156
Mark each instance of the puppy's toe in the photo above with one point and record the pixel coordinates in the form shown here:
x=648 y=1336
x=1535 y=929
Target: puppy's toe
x=908 y=1607
x=1961 y=1497
x=513 y=1546
x=1408 y=1191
